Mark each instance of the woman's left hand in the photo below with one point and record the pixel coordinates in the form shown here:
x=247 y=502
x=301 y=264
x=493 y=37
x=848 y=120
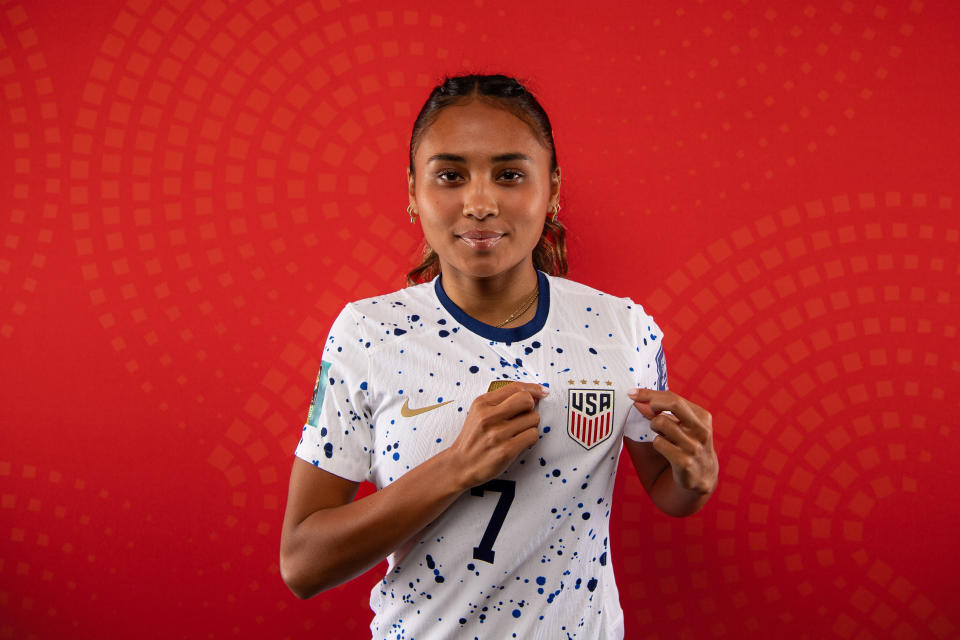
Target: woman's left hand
x=685 y=437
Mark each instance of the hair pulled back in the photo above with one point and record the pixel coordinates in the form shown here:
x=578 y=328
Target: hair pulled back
x=550 y=254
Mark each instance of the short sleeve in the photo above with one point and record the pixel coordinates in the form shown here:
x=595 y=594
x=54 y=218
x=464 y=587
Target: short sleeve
x=650 y=367
x=338 y=435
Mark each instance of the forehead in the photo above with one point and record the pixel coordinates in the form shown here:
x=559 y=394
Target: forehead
x=477 y=129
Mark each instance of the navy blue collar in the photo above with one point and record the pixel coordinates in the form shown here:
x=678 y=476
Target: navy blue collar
x=511 y=334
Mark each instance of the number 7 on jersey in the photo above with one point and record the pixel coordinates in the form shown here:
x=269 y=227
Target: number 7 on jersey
x=506 y=488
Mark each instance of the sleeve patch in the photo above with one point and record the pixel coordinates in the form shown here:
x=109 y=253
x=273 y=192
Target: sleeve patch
x=319 y=389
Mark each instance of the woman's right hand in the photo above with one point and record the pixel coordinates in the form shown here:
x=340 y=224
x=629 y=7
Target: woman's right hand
x=329 y=538
x=499 y=426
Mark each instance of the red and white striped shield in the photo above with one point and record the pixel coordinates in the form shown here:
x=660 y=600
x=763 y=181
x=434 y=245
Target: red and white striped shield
x=589 y=415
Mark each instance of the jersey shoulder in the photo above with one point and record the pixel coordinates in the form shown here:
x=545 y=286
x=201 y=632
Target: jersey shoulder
x=569 y=293
x=386 y=318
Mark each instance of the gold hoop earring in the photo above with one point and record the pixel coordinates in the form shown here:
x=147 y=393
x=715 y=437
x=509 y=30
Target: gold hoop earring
x=412 y=211
x=555 y=209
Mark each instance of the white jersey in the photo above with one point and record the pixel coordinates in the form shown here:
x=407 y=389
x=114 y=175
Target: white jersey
x=525 y=555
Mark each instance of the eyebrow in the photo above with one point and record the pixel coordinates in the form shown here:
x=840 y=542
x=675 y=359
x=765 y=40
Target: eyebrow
x=452 y=157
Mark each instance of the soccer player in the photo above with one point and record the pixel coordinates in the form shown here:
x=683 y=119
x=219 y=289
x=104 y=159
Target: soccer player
x=488 y=402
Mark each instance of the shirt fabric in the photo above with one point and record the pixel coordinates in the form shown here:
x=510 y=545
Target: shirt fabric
x=525 y=555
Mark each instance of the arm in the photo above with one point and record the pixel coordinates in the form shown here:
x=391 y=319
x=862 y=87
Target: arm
x=327 y=538
x=662 y=488
x=684 y=446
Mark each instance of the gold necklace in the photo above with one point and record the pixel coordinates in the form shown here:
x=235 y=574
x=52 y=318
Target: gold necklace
x=523 y=308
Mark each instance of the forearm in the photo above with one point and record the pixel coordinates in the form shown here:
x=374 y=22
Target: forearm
x=333 y=545
x=673 y=499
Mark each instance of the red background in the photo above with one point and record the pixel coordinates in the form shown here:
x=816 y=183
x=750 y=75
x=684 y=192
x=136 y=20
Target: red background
x=191 y=190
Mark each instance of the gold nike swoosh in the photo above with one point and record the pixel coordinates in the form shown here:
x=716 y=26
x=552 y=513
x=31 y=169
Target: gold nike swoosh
x=407 y=412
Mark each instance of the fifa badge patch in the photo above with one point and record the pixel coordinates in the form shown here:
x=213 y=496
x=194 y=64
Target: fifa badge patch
x=319 y=388
x=589 y=416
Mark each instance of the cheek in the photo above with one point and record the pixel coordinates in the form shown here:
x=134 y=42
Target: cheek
x=530 y=198
x=434 y=224
x=436 y=201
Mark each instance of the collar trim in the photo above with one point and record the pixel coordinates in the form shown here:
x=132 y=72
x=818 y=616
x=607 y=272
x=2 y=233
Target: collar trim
x=498 y=334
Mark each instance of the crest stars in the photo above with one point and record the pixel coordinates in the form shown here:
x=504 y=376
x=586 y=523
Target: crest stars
x=609 y=383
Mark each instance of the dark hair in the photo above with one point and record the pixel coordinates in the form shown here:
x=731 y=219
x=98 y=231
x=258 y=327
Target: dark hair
x=550 y=254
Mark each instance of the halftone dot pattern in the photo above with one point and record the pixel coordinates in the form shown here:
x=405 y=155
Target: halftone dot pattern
x=833 y=386
x=234 y=130
x=219 y=178
x=30 y=176
x=47 y=544
x=234 y=127
x=720 y=100
x=761 y=79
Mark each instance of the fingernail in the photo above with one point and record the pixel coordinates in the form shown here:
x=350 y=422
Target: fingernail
x=633 y=393
x=544 y=390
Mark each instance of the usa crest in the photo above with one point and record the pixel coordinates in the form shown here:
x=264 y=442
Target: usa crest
x=589 y=416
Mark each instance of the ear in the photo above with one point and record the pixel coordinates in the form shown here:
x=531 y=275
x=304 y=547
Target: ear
x=411 y=190
x=554 y=187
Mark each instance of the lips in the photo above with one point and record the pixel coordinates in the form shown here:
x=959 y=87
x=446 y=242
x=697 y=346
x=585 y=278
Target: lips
x=481 y=239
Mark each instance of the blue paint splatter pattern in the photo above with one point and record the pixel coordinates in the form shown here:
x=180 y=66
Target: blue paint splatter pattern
x=536 y=564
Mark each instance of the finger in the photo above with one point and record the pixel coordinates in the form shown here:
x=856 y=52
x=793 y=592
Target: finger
x=674 y=455
x=661 y=401
x=668 y=427
x=650 y=414
x=517 y=404
x=496 y=397
x=705 y=418
x=519 y=424
x=525 y=439
x=644 y=409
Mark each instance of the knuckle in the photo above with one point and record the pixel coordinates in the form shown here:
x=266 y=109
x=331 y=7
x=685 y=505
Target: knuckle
x=499 y=455
x=486 y=418
x=489 y=440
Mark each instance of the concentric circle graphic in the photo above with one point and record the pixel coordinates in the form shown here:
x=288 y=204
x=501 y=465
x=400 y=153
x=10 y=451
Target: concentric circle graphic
x=236 y=128
x=834 y=400
x=31 y=179
x=57 y=516
x=192 y=189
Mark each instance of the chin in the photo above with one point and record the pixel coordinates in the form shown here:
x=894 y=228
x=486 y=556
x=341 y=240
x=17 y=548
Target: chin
x=481 y=269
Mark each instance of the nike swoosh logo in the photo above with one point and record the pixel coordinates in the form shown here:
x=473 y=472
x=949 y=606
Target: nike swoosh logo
x=407 y=412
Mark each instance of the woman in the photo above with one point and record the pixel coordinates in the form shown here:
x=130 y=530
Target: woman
x=488 y=405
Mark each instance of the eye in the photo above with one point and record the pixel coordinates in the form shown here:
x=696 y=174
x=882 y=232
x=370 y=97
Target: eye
x=511 y=176
x=448 y=175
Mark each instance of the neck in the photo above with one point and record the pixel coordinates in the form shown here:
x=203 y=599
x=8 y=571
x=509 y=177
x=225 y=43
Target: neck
x=492 y=300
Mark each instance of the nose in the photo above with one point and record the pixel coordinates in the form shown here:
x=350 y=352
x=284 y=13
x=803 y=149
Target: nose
x=478 y=200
